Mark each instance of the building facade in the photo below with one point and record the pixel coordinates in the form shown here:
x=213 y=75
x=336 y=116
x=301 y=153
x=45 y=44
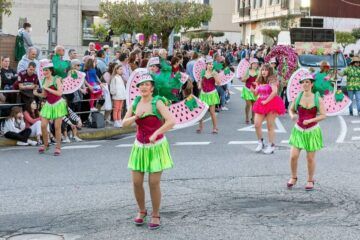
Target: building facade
x=255 y=15
x=221 y=20
x=75 y=18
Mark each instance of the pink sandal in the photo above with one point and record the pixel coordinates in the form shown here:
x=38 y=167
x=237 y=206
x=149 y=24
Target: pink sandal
x=57 y=151
x=141 y=220
x=43 y=149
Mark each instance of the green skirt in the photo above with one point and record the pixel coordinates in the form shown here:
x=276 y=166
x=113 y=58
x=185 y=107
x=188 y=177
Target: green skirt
x=150 y=158
x=210 y=98
x=247 y=95
x=310 y=140
x=54 y=111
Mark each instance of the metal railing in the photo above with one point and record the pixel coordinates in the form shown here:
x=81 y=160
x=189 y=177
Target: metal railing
x=9 y=105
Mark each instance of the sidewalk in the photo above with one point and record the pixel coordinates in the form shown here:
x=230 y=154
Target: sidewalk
x=85 y=134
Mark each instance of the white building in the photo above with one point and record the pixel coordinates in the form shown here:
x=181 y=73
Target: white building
x=221 y=20
x=75 y=18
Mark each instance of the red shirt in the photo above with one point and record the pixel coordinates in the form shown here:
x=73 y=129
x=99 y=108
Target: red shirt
x=28 y=80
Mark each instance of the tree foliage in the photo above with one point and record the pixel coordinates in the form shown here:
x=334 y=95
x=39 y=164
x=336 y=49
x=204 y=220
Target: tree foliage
x=287 y=22
x=5 y=7
x=161 y=17
x=356 y=33
x=204 y=35
x=271 y=33
x=100 y=31
x=345 y=38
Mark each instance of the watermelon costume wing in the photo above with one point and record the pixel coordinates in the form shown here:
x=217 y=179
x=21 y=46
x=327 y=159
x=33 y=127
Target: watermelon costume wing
x=186 y=113
x=199 y=65
x=333 y=105
x=241 y=69
x=226 y=76
x=73 y=81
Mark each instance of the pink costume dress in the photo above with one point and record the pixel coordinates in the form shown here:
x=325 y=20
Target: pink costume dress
x=276 y=105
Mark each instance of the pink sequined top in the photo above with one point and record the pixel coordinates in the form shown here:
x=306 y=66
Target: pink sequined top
x=306 y=114
x=264 y=91
x=208 y=84
x=146 y=126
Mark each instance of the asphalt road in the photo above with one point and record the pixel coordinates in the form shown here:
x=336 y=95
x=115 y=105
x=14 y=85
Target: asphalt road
x=219 y=188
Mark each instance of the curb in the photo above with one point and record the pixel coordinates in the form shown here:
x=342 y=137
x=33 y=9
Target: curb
x=86 y=134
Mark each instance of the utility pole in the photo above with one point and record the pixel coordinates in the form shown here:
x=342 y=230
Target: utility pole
x=53 y=25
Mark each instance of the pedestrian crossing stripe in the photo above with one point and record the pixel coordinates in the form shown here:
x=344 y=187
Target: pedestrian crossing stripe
x=279 y=127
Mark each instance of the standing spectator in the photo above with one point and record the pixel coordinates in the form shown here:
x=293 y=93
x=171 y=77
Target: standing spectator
x=106 y=49
x=93 y=83
x=91 y=49
x=33 y=120
x=117 y=90
x=15 y=128
x=26 y=59
x=28 y=81
x=107 y=95
x=8 y=77
x=189 y=71
x=124 y=61
x=25 y=33
x=101 y=66
x=61 y=67
x=353 y=83
x=132 y=61
x=72 y=54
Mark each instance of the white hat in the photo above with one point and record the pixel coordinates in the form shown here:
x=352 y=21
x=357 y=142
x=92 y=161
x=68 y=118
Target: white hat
x=307 y=76
x=254 y=60
x=209 y=59
x=144 y=78
x=48 y=65
x=154 y=61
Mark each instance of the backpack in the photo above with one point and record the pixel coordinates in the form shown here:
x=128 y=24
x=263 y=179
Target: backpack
x=19 y=47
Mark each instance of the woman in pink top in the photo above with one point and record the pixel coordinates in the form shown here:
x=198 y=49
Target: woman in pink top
x=267 y=107
x=33 y=120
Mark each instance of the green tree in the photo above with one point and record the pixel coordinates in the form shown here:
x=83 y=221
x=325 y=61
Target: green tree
x=345 y=38
x=5 y=7
x=271 y=33
x=161 y=17
x=287 y=22
x=100 y=32
x=356 y=33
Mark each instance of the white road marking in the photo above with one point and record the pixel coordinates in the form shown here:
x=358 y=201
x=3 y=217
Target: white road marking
x=81 y=147
x=355 y=121
x=124 y=145
x=239 y=88
x=356 y=129
x=343 y=130
x=191 y=143
x=242 y=142
x=355 y=138
x=279 y=127
x=285 y=141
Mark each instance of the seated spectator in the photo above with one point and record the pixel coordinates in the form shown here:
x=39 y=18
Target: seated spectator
x=26 y=59
x=28 y=81
x=15 y=128
x=70 y=123
x=8 y=78
x=32 y=120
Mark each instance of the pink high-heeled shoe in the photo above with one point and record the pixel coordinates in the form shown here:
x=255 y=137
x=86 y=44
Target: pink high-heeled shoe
x=140 y=221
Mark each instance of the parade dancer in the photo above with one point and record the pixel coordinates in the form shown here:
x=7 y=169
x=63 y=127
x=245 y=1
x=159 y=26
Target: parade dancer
x=267 y=107
x=250 y=83
x=208 y=94
x=54 y=109
x=150 y=152
x=308 y=109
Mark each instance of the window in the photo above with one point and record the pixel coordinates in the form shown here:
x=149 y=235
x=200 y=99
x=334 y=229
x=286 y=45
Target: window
x=254 y=3
x=206 y=2
x=270 y=2
x=88 y=19
x=260 y=3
